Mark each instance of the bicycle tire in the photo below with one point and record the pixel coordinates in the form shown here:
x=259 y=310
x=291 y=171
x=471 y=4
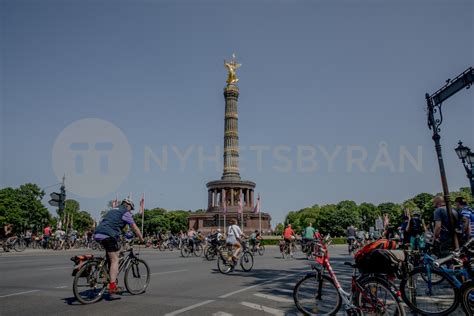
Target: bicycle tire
x=185 y=251
x=444 y=289
x=261 y=250
x=94 y=275
x=246 y=261
x=316 y=294
x=134 y=272
x=223 y=265
x=362 y=301
x=19 y=246
x=197 y=250
x=467 y=292
x=210 y=253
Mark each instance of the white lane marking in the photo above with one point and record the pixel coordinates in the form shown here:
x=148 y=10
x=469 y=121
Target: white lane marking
x=274 y=298
x=182 y=310
x=222 y=314
x=253 y=286
x=19 y=293
x=265 y=309
x=58 y=268
x=285 y=291
x=167 y=272
x=61 y=287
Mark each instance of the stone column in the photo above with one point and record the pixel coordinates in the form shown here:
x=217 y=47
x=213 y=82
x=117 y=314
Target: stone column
x=247 y=197
x=251 y=198
x=231 y=134
x=231 y=197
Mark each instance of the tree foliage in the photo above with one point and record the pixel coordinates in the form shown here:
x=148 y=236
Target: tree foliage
x=23 y=208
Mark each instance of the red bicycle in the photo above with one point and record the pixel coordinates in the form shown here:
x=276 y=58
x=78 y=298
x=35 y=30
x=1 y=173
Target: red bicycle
x=321 y=294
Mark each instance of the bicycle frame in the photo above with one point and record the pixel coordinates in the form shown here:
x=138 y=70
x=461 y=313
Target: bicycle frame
x=451 y=274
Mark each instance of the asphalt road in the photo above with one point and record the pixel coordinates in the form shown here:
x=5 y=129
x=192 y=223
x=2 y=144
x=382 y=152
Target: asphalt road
x=40 y=283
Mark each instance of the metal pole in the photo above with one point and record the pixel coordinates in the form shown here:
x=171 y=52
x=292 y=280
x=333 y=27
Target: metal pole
x=436 y=138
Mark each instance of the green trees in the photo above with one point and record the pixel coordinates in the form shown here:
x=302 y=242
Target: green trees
x=23 y=208
x=334 y=218
x=158 y=219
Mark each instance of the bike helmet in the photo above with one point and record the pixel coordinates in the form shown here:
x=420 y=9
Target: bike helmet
x=129 y=202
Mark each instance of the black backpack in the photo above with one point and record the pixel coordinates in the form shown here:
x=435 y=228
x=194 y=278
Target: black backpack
x=416 y=227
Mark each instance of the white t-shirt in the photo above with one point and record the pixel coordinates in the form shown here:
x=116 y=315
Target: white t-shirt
x=233 y=233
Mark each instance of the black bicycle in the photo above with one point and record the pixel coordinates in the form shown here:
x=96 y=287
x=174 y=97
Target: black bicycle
x=91 y=276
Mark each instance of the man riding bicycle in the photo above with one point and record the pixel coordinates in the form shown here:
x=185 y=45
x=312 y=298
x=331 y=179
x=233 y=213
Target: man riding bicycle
x=351 y=237
x=108 y=234
x=289 y=237
x=254 y=240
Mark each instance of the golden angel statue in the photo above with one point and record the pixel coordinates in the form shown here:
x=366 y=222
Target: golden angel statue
x=231 y=68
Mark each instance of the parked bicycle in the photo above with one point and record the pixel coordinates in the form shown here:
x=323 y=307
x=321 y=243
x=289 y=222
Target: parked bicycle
x=320 y=294
x=91 y=276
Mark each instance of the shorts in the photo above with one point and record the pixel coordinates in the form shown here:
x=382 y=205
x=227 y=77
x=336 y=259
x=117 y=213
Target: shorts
x=110 y=244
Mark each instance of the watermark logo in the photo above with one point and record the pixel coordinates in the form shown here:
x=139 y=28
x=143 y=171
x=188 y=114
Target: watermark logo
x=95 y=156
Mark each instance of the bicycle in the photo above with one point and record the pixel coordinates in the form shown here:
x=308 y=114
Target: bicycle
x=287 y=248
x=467 y=297
x=432 y=289
x=16 y=243
x=93 y=275
x=258 y=247
x=320 y=294
x=193 y=247
x=226 y=264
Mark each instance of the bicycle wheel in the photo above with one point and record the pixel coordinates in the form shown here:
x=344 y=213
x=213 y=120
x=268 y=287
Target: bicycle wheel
x=197 y=250
x=246 y=261
x=261 y=250
x=429 y=298
x=137 y=277
x=467 y=297
x=377 y=298
x=210 y=253
x=20 y=245
x=90 y=282
x=224 y=263
x=185 y=251
x=316 y=294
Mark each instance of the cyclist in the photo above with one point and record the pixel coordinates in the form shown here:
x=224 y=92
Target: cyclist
x=351 y=236
x=289 y=237
x=308 y=236
x=233 y=238
x=255 y=240
x=108 y=233
x=8 y=231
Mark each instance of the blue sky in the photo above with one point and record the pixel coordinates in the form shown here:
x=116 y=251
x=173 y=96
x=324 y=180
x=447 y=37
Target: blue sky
x=315 y=74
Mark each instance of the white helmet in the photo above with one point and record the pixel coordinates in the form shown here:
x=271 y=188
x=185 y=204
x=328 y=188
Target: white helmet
x=129 y=202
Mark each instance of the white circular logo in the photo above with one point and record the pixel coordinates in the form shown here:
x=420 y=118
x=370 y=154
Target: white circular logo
x=95 y=156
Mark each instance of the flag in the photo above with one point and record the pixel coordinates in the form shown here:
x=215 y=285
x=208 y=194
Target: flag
x=241 y=204
x=224 y=205
x=256 y=210
x=142 y=204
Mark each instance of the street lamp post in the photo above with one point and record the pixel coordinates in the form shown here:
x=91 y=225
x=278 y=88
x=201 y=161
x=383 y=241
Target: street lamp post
x=467 y=157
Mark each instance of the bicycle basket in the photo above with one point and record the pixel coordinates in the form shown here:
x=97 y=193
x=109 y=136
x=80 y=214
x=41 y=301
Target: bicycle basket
x=79 y=262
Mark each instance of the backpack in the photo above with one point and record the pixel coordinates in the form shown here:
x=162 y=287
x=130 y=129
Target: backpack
x=382 y=261
x=378 y=244
x=416 y=227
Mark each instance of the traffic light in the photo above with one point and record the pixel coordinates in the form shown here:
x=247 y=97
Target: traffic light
x=58 y=199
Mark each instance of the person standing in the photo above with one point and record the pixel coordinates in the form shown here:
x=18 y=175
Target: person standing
x=443 y=232
x=467 y=219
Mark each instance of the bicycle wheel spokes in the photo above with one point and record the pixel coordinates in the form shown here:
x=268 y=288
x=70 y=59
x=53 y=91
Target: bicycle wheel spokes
x=426 y=297
x=314 y=295
x=89 y=283
x=378 y=299
x=137 y=277
x=246 y=261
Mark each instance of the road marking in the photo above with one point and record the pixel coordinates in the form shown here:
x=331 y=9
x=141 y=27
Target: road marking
x=48 y=269
x=274 y=298
x=222 y=314
x=19 y=293
x=182 y=310
x=253 y=286
x=285 y=291
x=168 y=272
x=265 y=309
x=61 y=287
